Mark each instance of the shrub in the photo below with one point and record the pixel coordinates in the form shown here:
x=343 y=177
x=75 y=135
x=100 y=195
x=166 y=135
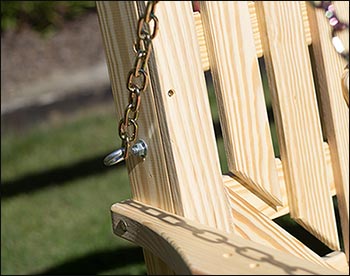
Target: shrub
x=42 y=16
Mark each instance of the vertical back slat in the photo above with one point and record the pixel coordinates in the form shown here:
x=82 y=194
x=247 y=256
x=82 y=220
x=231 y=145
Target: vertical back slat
x=298 y=125
x=329 y=69
x=240 y=95
x=185 y=118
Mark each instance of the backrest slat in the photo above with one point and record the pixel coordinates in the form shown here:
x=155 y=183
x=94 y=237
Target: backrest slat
x=298 y=125
x=329 y=69
x=187 y=129
x=240 y=95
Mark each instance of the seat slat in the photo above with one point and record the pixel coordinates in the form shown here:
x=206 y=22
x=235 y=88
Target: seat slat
x=240 y=95
x=299 y=129
x=252 y=225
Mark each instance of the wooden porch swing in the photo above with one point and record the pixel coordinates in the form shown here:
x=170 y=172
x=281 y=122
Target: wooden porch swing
x=187 y=216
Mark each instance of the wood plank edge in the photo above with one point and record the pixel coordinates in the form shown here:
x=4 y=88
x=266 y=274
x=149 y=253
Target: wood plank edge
x=189 y=247
x=233 y=184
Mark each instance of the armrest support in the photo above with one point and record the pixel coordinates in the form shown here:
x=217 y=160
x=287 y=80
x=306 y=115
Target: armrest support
x=189 y=247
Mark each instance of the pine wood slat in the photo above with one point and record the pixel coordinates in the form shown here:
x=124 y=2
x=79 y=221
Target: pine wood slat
x=255 y=28
x=329 y=68
x=297 y=119
x=193 y=248
x=272 y=213
x=303 y=7
x=149 y=180
x=201 y=41
x=186 y=123
x=251 y=224
x=337 y=260
x=240 y=96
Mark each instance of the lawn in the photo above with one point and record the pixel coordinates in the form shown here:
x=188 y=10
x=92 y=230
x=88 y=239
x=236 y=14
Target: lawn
x=56 y=195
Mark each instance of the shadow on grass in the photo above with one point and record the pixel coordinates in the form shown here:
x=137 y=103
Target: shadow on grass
x=99 y=261
x=57 y=176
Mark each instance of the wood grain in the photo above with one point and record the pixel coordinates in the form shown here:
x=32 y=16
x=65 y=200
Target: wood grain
x=329 y=67
x=240 y=96
x=118 y=22
x=186 y=123
x=255 y=29
x=201 y=41
x=189 y=247
x=297 y=119
x=307 y=32
x=337 y=260
x=234 y=185
x=149 y=179
x=252 y=225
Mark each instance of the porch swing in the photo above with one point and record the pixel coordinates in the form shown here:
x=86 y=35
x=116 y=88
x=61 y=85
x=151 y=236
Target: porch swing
x=187 y=216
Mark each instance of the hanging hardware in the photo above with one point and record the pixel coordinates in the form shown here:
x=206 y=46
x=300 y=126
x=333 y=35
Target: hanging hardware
x=137 y=82
x=138 y=149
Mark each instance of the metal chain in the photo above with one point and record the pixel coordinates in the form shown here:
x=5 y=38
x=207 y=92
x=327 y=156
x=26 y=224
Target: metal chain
x=336 y=24
x=138 y=77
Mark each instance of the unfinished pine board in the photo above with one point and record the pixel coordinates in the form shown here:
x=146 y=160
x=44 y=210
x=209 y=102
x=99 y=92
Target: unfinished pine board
x=201 y=41
x=337 y=260
x=240 y=97
x=185 y=118
x=118 y=25
x=345 y=85
x=297 y=119
x=189 y=247
x=329 y=67
x=149 y=179
x=252 y=225
x=307 y=32
x=235 y=186
x=255 y=28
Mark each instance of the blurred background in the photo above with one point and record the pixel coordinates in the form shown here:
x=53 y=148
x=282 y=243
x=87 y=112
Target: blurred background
x=57 y=124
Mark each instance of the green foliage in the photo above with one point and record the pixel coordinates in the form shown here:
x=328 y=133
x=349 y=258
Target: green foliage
x=42 y=16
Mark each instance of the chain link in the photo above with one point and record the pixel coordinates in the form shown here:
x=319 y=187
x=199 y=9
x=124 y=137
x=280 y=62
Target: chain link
x=138 y=77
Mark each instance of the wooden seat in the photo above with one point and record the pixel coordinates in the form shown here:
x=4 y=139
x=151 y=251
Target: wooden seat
x=188 y=216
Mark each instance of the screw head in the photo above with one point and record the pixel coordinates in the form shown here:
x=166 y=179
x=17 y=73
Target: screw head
x=171 y=92
x=121 y=228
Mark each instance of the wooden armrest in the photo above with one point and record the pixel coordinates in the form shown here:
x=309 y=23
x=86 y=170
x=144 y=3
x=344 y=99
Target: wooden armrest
x=189 y=247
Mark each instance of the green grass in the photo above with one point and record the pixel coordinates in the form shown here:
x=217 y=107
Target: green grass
x=64 y=226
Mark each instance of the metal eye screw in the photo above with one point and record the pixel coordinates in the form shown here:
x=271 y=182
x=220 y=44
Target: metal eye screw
x=138 y=149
